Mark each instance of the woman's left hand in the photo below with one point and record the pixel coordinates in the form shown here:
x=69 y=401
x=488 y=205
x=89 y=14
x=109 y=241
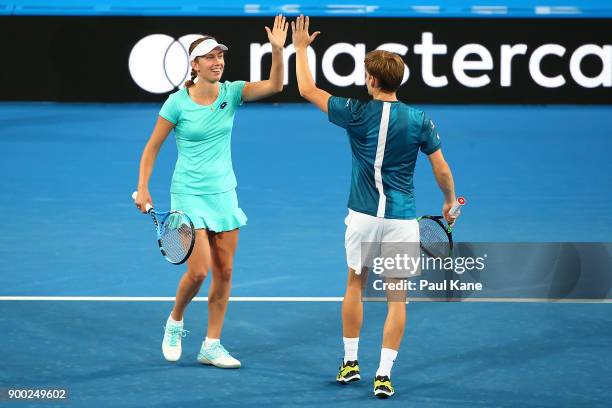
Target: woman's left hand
x=278 y=34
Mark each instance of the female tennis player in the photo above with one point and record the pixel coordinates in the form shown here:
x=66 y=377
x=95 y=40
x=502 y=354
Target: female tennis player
x=203 y=184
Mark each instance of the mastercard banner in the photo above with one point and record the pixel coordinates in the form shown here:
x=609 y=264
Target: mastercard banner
x=447 y=61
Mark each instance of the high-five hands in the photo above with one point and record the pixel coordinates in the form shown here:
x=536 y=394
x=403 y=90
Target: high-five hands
x=278 y=35
x=299 y=33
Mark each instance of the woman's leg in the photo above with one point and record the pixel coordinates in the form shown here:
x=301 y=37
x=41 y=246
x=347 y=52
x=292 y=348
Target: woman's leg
x=223 y=246
x=197 y=269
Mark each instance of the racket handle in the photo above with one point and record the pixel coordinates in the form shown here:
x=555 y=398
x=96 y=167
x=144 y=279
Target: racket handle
x=148 y=206
x=457 y=207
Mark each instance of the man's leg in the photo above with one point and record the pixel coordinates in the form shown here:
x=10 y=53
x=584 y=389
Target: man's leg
x=352 y=319
x=352 y=306
x=393 y=332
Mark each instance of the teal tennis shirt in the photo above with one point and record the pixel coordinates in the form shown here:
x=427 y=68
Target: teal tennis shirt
x=385 y=139
x=203 y=139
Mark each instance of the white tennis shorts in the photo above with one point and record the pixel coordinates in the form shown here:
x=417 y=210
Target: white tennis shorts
x=363 y=228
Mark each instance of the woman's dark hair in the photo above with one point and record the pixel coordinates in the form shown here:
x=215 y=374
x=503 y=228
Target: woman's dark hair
x=194 y=44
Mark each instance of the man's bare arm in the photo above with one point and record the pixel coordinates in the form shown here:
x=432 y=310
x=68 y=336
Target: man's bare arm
x=444 y=178
x=306 y=85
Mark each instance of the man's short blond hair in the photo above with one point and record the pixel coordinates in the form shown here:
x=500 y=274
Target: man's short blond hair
x=386 y=67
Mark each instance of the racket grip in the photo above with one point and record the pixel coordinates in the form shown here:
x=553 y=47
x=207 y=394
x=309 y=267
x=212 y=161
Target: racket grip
x=147 y=206
x=457 y=207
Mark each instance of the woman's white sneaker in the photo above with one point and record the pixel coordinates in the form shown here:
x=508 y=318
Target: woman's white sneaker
x=171 y=345
x=215 y=354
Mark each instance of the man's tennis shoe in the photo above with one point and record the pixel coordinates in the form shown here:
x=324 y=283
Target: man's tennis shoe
x=215 y=354
x=383 y=387
x=348 y=372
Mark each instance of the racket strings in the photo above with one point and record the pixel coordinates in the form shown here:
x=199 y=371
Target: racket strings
x=176 y=237
x=434 y=239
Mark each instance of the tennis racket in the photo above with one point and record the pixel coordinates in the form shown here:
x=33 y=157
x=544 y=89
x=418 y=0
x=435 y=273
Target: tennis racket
x=436 y=235
x=175 y=233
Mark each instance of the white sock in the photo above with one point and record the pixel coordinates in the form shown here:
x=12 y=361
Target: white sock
x=387 y=357
x=209 y=342
x=173 y=322
x=351 y=345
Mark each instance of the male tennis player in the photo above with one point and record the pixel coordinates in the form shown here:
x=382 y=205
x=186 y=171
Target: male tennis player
x=385 y=137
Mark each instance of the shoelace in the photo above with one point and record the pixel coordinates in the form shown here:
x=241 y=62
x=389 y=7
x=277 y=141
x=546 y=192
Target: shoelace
x=344 y=370
x=173 y=333
x=217 y=350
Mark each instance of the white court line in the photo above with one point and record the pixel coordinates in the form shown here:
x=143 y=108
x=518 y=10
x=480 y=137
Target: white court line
x=289 y=299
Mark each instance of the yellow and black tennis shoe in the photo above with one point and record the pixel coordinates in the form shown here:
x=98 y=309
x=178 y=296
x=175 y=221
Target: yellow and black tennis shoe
x=383 y=387
x=348 y=372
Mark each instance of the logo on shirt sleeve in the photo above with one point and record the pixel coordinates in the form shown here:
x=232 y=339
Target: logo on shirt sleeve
x=433 y=128
x=223 y=105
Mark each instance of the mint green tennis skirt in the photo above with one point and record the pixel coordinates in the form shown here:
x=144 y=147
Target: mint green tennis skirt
x=214 y=212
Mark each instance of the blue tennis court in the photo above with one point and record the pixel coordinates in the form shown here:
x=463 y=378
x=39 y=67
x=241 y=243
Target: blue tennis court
x=532 y=174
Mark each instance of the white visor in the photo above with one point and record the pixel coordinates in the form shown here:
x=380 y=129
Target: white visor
x=205 y=47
